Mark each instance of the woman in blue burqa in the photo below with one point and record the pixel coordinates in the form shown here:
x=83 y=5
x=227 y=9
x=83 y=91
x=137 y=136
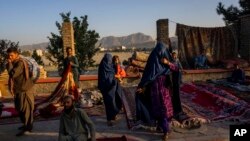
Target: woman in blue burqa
x=110 y=88
x=153 y=95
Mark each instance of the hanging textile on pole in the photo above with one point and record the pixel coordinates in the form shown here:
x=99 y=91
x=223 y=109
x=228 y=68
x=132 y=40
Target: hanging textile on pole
x=219 y=43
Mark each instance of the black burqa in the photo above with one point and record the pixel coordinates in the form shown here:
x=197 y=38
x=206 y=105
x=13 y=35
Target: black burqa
x=109 y=87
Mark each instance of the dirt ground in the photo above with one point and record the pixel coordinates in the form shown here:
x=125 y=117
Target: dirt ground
x=48 y=131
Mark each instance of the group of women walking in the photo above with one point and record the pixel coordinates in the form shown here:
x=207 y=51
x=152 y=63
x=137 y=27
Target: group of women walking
x=153 y=98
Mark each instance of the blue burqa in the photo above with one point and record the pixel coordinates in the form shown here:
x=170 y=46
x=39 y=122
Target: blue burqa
x=109 y=87
x=153 y=69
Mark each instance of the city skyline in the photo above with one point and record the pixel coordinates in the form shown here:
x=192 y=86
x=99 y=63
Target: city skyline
x=31 y=22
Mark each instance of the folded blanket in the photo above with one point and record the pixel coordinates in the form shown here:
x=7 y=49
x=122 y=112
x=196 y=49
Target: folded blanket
x=138 y=63
x=132 y=71
x=140 y=56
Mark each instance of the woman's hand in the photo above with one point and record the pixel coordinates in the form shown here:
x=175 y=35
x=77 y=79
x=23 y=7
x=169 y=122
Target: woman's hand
x=117 y=76
x=9 y=60
x=139 y=90
x=165 y=61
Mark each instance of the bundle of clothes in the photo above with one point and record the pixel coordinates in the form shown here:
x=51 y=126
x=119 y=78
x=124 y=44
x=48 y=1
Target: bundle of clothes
x=136 y=64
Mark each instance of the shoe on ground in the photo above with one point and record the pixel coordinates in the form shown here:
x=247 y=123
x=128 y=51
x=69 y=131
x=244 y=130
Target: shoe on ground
x=26 y=128
x=115 y=118
x=21 y=127
x=110 y=123
x=21 y=133
x=165 y=137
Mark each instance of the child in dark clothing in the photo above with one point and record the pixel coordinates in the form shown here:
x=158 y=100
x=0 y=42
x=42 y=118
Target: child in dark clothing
x=177 y=80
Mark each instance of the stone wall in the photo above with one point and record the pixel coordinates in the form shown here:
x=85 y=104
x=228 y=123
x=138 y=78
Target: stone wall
x=245 y=37
x=68 y=37
x=162 y=30
x=48 y=85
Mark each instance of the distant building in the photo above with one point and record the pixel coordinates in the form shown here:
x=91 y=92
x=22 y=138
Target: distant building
x=123 y=48
x=102 y=49
x=39 y=52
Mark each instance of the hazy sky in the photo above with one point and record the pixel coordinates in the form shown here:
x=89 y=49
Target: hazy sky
x=31 y=21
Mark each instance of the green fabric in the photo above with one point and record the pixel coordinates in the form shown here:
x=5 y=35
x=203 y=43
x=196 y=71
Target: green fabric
x=73 y=126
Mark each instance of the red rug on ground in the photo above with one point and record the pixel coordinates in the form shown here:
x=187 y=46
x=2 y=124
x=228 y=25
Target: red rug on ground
x=128 y=99
x=211 y=102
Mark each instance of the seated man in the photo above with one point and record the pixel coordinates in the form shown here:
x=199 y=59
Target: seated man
x=74 y=123
x=201 y=61
x=238 y=75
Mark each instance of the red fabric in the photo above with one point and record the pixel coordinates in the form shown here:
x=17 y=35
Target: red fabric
x=60 y=91
x=120 y=71
x=11 y=110
x=211 y=102
x=49 y=111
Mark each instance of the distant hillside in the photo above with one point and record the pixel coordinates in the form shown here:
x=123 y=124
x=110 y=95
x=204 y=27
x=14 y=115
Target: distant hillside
x=41 y=46
x=130 y=40
x=138 y=40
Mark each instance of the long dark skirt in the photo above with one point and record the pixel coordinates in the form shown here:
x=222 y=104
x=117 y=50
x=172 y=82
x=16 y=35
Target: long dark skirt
x=176 y=93
x=162 y=109
x=112 y=101
x=143 y=107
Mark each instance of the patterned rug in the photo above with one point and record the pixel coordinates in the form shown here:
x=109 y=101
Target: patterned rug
x=213 y=103
x=244 y=95
x=201 y=102
x=10 y=115
x=235 y=86
x=128 y=99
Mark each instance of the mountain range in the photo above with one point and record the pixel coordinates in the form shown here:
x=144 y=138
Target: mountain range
x=138 y=40
x=129 y=41
x=41 y=46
